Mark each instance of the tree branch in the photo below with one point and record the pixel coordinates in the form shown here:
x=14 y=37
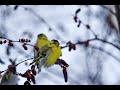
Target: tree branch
x=89 y=40
x=88 y=27
x=108 y=9
x=108 y=53
x=118 y=15
x=17 y=64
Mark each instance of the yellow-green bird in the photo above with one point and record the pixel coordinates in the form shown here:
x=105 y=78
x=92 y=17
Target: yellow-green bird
x=41 y=41
x=53 y=53
x=50 y=49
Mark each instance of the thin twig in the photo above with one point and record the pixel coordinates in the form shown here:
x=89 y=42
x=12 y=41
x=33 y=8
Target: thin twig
x=104 y=41
x=29 y=45
x=18 y=64
x=110 y=54
x=108 y=9
x=94 y=39
x=5 y=38
x=89 y=29
x=118 y=15
x=23 y=61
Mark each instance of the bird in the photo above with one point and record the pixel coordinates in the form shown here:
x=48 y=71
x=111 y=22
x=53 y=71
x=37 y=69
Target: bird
x=41 y=41
x=53 y=53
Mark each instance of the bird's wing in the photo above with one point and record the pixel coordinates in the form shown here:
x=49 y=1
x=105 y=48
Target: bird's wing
x=52 y=55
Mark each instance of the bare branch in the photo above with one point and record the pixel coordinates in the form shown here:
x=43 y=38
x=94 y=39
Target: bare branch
x=17 y=64
x=24 y=61
x=104 y=41
x=77 y=19
x=88 y=27
x=118 y=15
x=89 y=40
x=108 y=9
x=110 y=54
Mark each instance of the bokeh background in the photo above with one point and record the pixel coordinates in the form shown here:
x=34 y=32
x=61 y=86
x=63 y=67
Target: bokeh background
x=87 y=66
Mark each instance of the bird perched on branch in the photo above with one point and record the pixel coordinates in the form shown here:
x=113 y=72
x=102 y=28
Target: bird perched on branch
x=50 y=50
x=47 y=53
x=41 y=41
x=53 y=53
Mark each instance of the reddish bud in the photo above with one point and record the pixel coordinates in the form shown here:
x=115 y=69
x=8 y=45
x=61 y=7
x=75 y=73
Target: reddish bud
x=5 y=41
x=26 y=40
x=22 y=40
x=69 y=44
x=29 y=41
x=24 y=46
x=75 y=18
x=73 y=46
x=1 y=42
x=70 y=48
x=77 y=11
x=28 y=74
x=10 y=44
x=87 y=26
x=64 y=63
x=65 y=74
x=10 y=40
x=79 y=23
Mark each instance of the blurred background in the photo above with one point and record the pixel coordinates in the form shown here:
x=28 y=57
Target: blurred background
x=96 y=64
